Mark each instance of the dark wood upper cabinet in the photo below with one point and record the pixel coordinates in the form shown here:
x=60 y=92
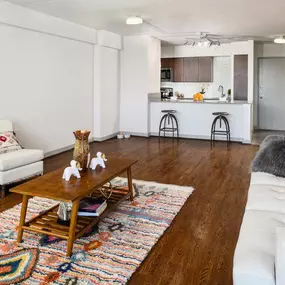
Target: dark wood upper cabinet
x=205 y=69
x=178 y=70
x=240 y=77
x=167 y=62
x=191 y=69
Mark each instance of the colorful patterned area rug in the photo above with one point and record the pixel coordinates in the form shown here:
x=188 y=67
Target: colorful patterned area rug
x=109 y=254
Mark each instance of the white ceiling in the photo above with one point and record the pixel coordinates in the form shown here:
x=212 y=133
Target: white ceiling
x=175 y=19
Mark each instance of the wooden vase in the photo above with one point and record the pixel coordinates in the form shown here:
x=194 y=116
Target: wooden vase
x=81 y=148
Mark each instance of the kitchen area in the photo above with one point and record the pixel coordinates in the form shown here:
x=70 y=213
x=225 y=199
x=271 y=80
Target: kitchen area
x=197 y=82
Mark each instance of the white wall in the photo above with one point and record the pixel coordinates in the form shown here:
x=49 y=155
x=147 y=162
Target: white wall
x=106 y=92
x=140 y=74
x=18 y=16
x=154 y=62
x=53 y=78
x=108 y=39
x=46 y=86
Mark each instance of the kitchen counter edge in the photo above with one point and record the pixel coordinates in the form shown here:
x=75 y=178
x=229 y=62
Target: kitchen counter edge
x=239 y=102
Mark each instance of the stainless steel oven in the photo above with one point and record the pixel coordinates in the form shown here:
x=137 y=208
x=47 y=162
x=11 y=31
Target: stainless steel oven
x=166 y=75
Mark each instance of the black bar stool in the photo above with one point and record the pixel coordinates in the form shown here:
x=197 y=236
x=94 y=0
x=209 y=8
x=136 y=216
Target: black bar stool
x=169 y=122
x=221 y=116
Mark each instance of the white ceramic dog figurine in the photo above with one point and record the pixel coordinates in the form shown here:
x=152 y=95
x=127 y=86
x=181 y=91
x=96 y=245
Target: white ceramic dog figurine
x=72 y=170
x=99 y=160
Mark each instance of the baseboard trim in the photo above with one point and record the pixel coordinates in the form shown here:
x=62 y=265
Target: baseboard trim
x=101 y=139
x=246 y=142
x=62 y=149
x=59 y=150
x=96 y=139
x=136 y=134
x=183 y=136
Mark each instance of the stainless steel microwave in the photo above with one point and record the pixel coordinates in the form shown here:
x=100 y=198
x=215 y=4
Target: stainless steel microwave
x=166 y=75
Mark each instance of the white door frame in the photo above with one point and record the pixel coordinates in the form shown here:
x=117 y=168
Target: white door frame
x=257 y=80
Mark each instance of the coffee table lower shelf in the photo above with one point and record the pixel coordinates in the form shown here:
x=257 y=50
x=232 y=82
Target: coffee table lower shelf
x=46 y=222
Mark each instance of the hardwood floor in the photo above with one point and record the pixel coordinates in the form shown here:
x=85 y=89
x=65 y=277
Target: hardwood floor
x=198 y=247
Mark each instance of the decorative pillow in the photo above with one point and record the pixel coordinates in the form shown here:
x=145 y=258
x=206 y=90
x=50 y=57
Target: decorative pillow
x=8 y=142
x=270 y=139
x=270 y=158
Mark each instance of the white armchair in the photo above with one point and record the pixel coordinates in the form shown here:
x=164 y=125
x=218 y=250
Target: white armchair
x=19 y=164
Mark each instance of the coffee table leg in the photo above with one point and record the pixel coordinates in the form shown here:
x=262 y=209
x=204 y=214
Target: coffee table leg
x=130 y=183
x=73 y=223
x=23 y=217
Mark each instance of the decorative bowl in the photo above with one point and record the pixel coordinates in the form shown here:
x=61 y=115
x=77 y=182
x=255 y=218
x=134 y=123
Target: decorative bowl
x=127 y=136
x=120 y=136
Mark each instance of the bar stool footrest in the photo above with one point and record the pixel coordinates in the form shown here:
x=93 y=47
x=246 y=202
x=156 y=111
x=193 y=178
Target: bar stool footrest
x=168 y=123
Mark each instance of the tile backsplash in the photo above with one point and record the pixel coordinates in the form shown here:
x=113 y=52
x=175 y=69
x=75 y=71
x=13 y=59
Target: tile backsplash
x=189 y=89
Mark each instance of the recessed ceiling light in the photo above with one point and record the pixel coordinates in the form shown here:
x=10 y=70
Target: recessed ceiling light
x=134 y=20
x=280 y=40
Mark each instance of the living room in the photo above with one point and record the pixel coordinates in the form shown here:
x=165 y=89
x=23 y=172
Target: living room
x=156 y=112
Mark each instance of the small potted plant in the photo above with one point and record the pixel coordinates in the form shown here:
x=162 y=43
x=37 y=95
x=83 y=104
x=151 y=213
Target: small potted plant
x=229 y=94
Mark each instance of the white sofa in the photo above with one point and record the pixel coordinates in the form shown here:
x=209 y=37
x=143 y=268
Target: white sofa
x=20 y=164
x=259 y=256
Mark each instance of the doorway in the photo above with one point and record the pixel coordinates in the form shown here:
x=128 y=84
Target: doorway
x=271 y=94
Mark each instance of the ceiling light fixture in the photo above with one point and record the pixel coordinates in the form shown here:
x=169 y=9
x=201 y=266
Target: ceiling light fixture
x=280 y=40
x=134 y=20
x=206 y=43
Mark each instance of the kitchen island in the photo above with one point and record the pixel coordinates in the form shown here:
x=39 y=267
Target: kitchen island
x=195 y=118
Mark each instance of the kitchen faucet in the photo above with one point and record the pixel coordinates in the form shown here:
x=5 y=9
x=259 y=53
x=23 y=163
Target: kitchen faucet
x=221 y=89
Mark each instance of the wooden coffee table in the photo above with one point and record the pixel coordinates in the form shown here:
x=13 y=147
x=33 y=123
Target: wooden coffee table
x=52 y=186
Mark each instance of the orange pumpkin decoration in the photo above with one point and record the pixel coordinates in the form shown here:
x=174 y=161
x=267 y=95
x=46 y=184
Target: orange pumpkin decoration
x=198 y=97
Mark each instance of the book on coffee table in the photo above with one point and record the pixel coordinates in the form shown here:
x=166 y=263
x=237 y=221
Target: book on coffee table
x=90 y=206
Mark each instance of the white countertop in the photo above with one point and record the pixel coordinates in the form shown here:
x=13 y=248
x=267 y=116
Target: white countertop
x=240 y=102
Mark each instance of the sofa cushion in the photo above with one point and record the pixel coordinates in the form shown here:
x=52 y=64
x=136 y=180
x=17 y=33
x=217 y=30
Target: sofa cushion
x=266 y=193
x=255 y=251
x=261 y=178
x=280 y=256
x=21 y=173
x=8 y=142
x=19 y=158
